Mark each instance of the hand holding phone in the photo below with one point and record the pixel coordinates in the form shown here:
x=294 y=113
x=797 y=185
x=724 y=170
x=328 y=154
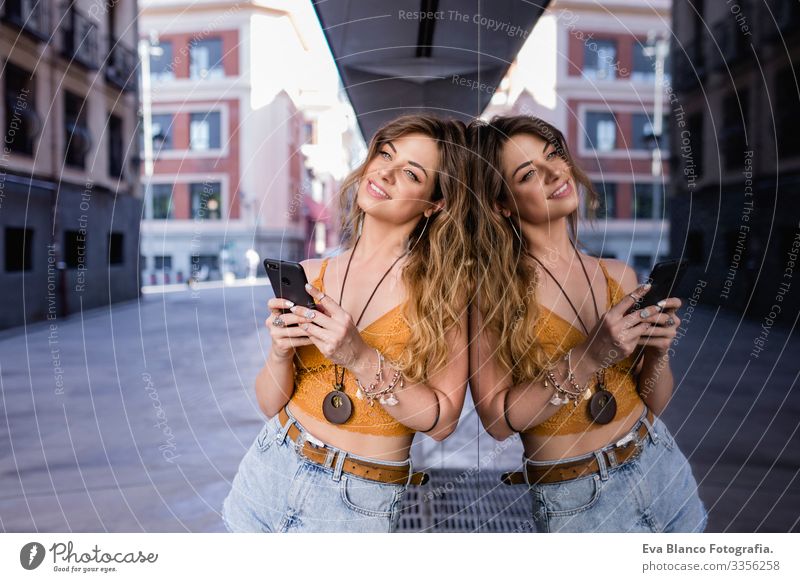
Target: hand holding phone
x=664 y=279
x=289 y=281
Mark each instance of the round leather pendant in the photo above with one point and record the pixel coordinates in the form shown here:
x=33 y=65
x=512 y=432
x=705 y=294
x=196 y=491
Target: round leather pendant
x=602 y=407
x=337 y=407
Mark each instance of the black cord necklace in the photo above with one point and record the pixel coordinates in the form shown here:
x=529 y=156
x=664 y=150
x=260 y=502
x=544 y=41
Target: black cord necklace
x=603 y=405
x=337 y=406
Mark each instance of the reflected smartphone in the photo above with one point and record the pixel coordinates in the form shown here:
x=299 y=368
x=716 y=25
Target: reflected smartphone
x=664 y=279
x=288 y=282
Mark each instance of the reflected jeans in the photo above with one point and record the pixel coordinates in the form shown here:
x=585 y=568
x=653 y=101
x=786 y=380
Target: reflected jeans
x=653 y=492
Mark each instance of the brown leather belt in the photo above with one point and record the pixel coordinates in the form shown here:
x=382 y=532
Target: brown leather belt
x=557 y=472
x=364 y=469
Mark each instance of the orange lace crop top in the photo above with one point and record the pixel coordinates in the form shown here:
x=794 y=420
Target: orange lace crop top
x=314 y=375
x=557 y=336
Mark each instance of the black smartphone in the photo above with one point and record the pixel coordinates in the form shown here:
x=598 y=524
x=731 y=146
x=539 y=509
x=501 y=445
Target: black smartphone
x=664 y=279
x=288 y=281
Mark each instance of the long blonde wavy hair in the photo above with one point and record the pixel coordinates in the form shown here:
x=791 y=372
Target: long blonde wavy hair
x=503 y=269
x=435 y=273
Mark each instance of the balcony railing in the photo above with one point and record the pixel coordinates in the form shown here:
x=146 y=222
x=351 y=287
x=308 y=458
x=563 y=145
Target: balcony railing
x=80 y=39
x=121 y=65
x=30 y=16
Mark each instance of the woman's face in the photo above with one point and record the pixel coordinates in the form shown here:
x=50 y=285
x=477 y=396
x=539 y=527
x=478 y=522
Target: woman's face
x=539 y=179
x=398 y=183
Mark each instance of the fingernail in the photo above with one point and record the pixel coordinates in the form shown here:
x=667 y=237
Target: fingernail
x=310 y=313
x=289 y=303
x=309 y=286
x=647 y=285
x=662 y=303
x=643 y=314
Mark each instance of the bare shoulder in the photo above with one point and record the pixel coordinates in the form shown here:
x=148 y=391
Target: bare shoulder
x=312 y=268
x=622 y=273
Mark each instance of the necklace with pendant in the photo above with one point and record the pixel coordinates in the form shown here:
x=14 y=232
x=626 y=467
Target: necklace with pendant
x=337 y=407
x=602 y=404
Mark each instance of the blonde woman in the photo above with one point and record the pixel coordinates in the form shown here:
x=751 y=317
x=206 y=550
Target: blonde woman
x=384 y=354
x=553 y=348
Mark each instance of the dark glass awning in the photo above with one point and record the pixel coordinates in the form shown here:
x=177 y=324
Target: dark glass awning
x=405 y=56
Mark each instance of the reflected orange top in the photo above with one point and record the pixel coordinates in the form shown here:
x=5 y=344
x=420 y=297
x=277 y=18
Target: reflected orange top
x=558 y=336
x=314 y=375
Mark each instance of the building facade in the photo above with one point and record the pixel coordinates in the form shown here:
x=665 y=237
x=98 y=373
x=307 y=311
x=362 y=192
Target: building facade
x=236 y=91
x=736 y=211
x=69 y=177
x=586 y=67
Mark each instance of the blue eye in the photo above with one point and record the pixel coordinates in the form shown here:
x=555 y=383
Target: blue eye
x=412 y=175
x=528 y=175
x=385 y=154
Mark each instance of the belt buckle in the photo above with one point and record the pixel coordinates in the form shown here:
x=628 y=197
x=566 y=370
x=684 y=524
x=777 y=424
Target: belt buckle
x=304 y=438
x=313 y=440
x=626 y=439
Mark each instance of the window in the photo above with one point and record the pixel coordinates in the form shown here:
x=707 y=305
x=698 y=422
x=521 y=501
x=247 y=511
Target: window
x=116 y=248
x=162 y=131
x=601 y=131
x=643 y=201
x=161 y=67
x=206 y=201
x=162 y=201
x=644 y=67
x=204 y=267
x=74 y=249
x=732 y=136
x=600 y=59
x=77 y=139
x=206 y=59
x=163 y=263
x=204 y=131
x=18 y=245
x=115 y=146
x=607 y=193
x=22 y=124
x=643 y=137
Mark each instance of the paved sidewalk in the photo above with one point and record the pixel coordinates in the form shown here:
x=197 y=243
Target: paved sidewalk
x=135 y=418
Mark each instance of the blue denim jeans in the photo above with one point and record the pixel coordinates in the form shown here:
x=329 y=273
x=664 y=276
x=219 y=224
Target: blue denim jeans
x=653 y=492
x=278 y=490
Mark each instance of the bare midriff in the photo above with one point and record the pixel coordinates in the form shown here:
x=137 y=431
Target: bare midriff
x=386 y=448
x=553 y=447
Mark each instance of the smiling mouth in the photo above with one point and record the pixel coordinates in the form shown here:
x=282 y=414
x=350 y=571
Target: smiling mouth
x=563 y=190
x=376 y=191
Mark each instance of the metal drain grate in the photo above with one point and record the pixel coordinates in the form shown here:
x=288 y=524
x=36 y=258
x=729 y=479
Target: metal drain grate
x=465 y=501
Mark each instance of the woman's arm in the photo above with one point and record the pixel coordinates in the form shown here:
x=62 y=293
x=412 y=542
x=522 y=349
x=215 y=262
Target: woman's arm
x=503 y=408
x=275 y=381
